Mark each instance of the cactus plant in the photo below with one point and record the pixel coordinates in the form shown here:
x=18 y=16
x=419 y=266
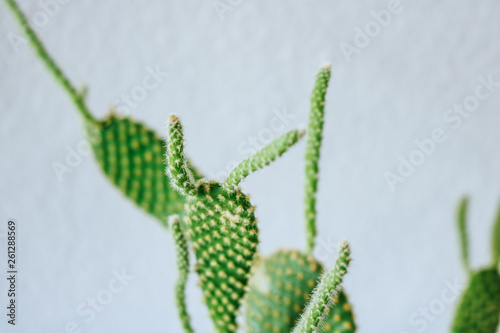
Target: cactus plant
x=479 y=308
x=285 y=280
x=219 y=219
x=287 y=291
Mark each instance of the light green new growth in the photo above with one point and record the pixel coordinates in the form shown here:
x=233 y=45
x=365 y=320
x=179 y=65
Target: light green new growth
x=313 y=145
x=183 y=272
x=462 y=230
x=76 y=97
x=221 y=225
x=177 y=170
x=496 y=239
x=323 y=296
x=262 y=158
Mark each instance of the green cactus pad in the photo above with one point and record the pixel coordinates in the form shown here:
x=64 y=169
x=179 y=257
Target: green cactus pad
x=132 y=157
x=223 y=229
x=281 y=287
x=479 y=309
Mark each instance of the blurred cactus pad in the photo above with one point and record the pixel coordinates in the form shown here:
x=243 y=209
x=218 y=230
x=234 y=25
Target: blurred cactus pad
x=281 y=286
x=133 y=158
x=479 y=308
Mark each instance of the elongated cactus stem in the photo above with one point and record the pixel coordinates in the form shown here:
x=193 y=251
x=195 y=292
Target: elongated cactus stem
x=76 y=96
x=262 y=158
x=183 y=271
x=313 y=145
x=496 y=239
x=462 y=230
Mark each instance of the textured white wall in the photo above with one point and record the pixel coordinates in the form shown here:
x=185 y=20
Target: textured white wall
x=226 y=76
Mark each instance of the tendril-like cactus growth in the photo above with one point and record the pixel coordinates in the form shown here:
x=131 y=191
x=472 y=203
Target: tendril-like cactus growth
x=479 y=308
x=222 y=227
x=324 y=295
x=183 y=271
x=313 y=145
x=262 y=158
x=130 y=154
x=280 y=288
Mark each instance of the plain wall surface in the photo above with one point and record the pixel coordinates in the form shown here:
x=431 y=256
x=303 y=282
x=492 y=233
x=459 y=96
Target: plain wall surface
x=227 y=79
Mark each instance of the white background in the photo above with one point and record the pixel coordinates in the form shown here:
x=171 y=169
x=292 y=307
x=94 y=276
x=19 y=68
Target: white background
x=226 y=76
